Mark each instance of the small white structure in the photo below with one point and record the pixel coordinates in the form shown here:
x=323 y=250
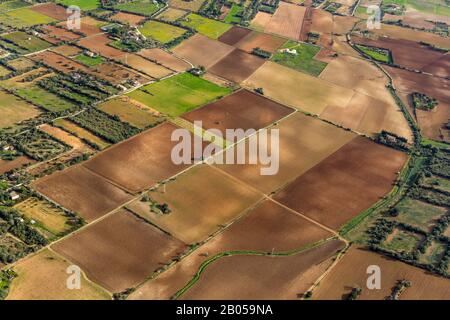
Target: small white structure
x=14 y=195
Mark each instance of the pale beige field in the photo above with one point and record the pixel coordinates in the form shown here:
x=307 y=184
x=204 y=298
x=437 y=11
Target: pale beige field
x=43 y=277
x=297 y=89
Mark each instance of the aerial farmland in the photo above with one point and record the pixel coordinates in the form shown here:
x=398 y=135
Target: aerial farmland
x=224 y=150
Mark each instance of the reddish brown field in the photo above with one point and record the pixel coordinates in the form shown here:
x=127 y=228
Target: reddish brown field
x=139 y=162
x=124 y=17
x=18 y=162
x=119 y=251
x=165 y=58
x=405 y=53
x=440 y=67
x=261 y=277
x=237 y=66
x=201 y=50
x=82 y=191
x=52 y=10
x=99 y=45
x=263 y=41
x=234 y=35
x=344 y=184
x=351 y=271
x=407 y=82
x=322 y=21
x=59 y=33
x=240 y=110
x=59 y=62
x=287 y=21
x=266 y=228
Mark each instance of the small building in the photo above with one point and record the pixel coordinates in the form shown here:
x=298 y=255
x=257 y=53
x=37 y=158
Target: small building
x=289 y=51
x=14 y=195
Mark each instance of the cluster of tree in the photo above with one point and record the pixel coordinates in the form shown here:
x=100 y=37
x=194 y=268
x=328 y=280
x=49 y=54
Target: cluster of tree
x=63 y=91
x=261 y=53
x=430 y=195
x=392 y=8
x=398 y=289
x=36 y=75
x=423 y=102
x=333 y=7
x=21 y=228
x=250 y=12
x=213 y=8
x=393 y=140
x=106 y=126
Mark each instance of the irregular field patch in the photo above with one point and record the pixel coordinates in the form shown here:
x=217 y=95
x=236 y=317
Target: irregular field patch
x=207 y=27
x=14 y=110
x=43 y=277
x=161 y=32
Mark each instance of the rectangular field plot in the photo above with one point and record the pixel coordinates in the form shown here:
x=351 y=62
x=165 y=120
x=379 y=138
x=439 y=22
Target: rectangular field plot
x=145 y=66
x=129 y=111
x=72 y=140
x=161 y=32
x=84 y=5
x=21 y=64
x=202 y=51
x=120 y=251
x=237 y=66
x=6 y=165
x=46 y=216
x=199 y=201
x=234 y=35
x=287 y=21
x=194 y=5
x=402 y=241
x=241 y=110
x=145 y=7
x=11 y=5
x=44 y=277
x=14 y=110
x=178 y=94
x=208 y=27
x=165 y=58
x=26 y=41
x=24 y=17
x=140 y=162
x=331 y=193
x=351 y=271
x=79 y=190
x=303 y=143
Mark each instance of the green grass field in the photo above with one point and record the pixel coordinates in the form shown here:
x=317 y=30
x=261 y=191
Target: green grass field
x=161 y=32
x=4 y=71
x=11 y=5
x=178 y=94
x=303 y=60
x=232 y=15
x=361 y=12
x=26 y=41
x=439 y=7
x=23 y=18
x=44 y=99
x=85 y=5
x=208 y=27
x=374 y=54
x=89 y=61
x=433 y=254
x=144 y=7
x=418 y=213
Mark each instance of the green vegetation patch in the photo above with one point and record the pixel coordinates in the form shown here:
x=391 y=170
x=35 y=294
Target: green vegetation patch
x=438 y=7
x=379 y=54
x=433 y=253
x=300 y=56
x=143 y=7
x=26 y=41
x=44 y=99
x=89 y=61
x=161 y=32
x=24 y=18
x=179 y=94
x=418 y=213
x=38 y=145
x=423 y=102
x=208 y=27
x=235 y=14
x=84 y=5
